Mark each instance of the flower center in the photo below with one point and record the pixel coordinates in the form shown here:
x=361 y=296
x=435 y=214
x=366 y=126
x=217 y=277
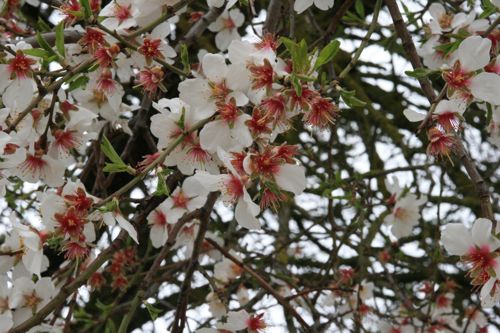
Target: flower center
x=256 y=323
x=180 y=200
x=229 y=23
x=122 y=12
x=234 y=187
x=262 y=75
x=400 y=213
x=20 y=66
x=160 y=218
x=31 y=300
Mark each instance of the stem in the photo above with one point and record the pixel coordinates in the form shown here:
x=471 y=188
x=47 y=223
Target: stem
x=263 y=283
x=364 y=42
x=141 y=293
x=150 y=167
x=180 y=314
x=135 y=48
x=165 y=16
x=492 y=27
x=428 y=117
x=70 y=288
x=55 y=85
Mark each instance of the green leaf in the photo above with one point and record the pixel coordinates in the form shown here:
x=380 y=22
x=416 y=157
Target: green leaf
x=419 y=72
x=350 y=99
x=117 y=164
x=327 y=53
x=86 y=8
x=42 y=26
x=448 y=48
x=185 y=58
x=162 y=187
x=298 y=53
x=110 y=152
x=302 y=59
x=105 y=308
x=60 y=39
x=111 y=206
x=297 y=85
x=360 y=8
x=78 y=82
x=153 y=312
x=40 y=53
x=43 y=43
x=113 y=168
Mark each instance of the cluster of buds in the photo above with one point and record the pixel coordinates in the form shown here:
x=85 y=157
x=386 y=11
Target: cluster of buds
x=122 y=263
x=72 y=222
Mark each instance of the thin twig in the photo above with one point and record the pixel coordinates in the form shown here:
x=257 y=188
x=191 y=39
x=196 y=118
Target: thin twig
x=364 y=42
x=263 y=283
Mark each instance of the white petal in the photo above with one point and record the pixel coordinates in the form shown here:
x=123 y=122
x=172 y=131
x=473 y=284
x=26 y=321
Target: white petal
x=302 y=5
x=236 y=321
x=6 y=322
x=237 y=77
x=456 y=239
x=224 y=38
x=214 y=67
x=19 y=94
x=323 y=4
x=486 y=87
x=215 y=134
x=400 y=229
x=32 y=260
x=474 y=53
x=45 y=288
x=89 y=232
x=413 y=116
x=215 y=3
x=436 y=10
x=158 y=235
x=481 y=234
x=127 y=226
x=237 y=17
x=244 y=214
x=452 y=105
x=192 y=187
x=487 y=300
x=291 y=177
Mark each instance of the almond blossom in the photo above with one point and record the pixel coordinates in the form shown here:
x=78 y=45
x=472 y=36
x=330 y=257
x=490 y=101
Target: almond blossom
x=160 y=221
x=119 y=15
x=226 y=26
x=18 y=89
x=301 y=5
x=222 y=83
x=477 y=248
x=176 y=118
x=242 y=320
x=115 y=217
x=226 y=270
x=26 y=252
x=473 y=54
x=405 y=215
x=233 y=191
x=447 y=114
x=28 y=297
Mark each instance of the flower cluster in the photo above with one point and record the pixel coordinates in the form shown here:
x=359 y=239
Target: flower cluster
x=465 y=51
x=456 y=46
x=223 y=140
